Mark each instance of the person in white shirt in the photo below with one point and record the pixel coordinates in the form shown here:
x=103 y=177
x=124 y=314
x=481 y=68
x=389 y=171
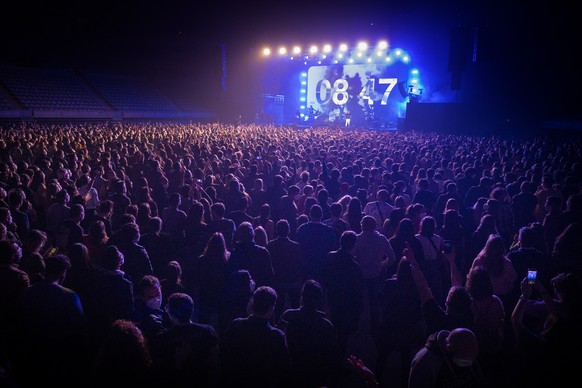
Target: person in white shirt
x=374 y=254
x=380 y=209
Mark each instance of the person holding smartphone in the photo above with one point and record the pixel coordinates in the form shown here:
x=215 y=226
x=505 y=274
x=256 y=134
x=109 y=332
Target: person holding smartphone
x=550 y=348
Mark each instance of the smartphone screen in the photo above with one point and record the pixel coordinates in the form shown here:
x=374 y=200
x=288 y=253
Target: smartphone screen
x=531 y=276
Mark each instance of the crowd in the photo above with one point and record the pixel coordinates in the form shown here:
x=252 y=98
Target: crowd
x=169 y=254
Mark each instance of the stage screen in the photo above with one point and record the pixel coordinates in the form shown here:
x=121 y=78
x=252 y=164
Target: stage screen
x=373 y=93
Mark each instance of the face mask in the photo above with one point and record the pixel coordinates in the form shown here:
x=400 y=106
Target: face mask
x=462 y=363
x=155 y=302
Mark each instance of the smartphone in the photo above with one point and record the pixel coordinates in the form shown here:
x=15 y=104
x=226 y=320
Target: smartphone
x=447 y=246
x=532 y=274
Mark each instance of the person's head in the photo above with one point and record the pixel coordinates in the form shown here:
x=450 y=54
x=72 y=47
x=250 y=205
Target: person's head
x=15 y=198
x=196 y=212
x=383 y=195
x=154 y=225
x=245 y=233
x=180 y=308
x=526 y=237
x=294 y=191
x=130 y=232
x=34 y=241
x=368 y=224
x=217 y=211
x=315 y=213
x=216 y=246
x=355 y=206
x=494 y=246
x=553 y=203
x=423 y=184
x=263 y=301
x=173 y=272
x=105 y=207
x=265 y=211
x=336 y=209
x=78 y=254
x=427 y=226
x=113 y=258
x=282 y=228
x=56 y=267
x=462 y=345
x=568 y=289
x=458 y=302
x=405 y=229
x=10 y=252
x=311 y=294
x=149 y=290
x=479 y=283
x=348 y=240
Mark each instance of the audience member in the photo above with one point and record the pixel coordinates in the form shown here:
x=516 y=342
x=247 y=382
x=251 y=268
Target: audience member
x=187 y=353
x=311 y=339
x=317 y=240
x=287 y=259
x=343 y=282
x=254 y=352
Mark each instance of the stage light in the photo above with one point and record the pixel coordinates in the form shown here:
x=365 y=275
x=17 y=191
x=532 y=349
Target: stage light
x=282 y=51
x=398 y=52
x=266 y=51
x=382 y=45
x=369 y=60
x=296 y=50
x=313 y=50
x=327 y=48
x=362 y=46
x=388 y=59
x=379 y=53
x=405 y=59
x=343 y=47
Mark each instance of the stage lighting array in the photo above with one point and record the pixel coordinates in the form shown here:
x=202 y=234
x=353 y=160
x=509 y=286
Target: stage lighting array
x=361 y=52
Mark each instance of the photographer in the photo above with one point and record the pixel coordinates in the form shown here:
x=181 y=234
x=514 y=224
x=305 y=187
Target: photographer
x=548 y=330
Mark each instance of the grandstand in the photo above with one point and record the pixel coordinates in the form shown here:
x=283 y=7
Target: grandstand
x=59 y=93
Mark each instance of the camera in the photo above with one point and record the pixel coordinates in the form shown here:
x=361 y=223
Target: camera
x=447 y=246
x=531 y=276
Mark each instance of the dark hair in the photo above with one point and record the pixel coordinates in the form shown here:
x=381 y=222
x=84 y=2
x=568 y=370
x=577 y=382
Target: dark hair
x=264 y=299
x=479 y=283
x=348 y=239
x=316 y=212
x=311 y=294
x=180 y=306
x=282 y=228
x=56 y=265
